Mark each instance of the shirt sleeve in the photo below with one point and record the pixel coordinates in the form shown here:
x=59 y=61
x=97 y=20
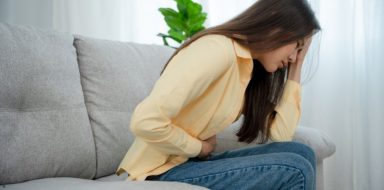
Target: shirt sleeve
x=188 y=75
x=288 y=113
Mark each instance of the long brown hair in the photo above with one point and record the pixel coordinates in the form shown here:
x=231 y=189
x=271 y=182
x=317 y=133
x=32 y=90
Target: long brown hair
x=265 y=26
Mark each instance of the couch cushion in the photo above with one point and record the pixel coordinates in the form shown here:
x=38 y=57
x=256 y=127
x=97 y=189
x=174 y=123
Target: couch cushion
x=82 y=184
x=116 y=76
x=321 y=144
x=44 y=126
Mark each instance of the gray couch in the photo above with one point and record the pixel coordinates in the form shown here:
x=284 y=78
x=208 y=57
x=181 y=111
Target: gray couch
x=65 y=106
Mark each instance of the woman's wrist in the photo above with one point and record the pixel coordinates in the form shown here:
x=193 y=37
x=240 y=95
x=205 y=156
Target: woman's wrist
x=208 y=146
x=205 y=149
x=294 y=73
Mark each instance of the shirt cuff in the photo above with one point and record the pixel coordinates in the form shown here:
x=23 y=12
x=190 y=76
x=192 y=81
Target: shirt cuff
x=193 y=147
x=292 y=92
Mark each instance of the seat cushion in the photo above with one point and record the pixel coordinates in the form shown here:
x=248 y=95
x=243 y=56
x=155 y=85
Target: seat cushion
x=322 y=145
x=44 y=125
x=82 y=184
x=116 y=76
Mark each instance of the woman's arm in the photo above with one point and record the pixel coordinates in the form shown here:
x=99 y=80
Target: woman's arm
x=186 y=78
x=288 y=110
x=287 y=113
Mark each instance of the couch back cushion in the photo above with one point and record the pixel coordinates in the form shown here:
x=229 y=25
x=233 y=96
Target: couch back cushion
x=116 y=76
x=44 y=126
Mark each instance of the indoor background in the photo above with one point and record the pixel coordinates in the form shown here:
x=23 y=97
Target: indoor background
x=342 y=95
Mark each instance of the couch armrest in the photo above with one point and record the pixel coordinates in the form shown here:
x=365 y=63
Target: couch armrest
x=317 y=140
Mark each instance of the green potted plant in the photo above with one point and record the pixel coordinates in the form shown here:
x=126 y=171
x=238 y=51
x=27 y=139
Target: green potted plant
x=183 y=23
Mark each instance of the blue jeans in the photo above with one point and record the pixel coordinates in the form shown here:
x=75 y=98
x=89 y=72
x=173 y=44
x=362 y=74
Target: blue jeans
x=280 y=165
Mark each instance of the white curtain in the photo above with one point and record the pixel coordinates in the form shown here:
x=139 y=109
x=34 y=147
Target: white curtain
x=133 y=20
x=130 y=20
x=344 y=97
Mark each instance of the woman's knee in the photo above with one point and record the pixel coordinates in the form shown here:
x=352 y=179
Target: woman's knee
x=306 y=151
x=302 y=164
x=302 y=150
x=290 y=170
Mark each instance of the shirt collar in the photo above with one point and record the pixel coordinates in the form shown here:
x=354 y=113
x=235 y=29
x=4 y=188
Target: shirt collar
x=241 y=50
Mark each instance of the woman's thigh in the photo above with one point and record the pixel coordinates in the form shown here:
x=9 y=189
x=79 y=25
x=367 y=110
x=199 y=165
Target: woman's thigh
x=283 y=170
x=276 y=147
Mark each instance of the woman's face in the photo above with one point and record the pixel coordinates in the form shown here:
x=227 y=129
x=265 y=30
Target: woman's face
x=280 y=57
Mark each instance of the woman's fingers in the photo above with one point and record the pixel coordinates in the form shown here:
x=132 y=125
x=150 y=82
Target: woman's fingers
x=208 y=147
x=294 y=69
x=301 y=54
x=212 y=140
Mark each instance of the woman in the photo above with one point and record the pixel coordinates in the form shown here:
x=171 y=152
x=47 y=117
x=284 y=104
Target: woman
x=249 y=65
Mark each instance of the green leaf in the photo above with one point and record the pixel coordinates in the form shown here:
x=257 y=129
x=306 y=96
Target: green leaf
x=164 y=38
x=193 y=9
x=168 y=12
x=184 y=23
x=196 y=30
x=182 y=7
x=175 y=23
x=176 y=35
x=172 y=18
x=197 y=22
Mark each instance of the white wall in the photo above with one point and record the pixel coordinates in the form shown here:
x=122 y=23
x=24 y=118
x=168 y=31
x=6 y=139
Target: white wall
x=24 y=12
x=123 y=20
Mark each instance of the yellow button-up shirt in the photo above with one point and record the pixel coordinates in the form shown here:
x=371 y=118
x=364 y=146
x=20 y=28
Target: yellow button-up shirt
x=199 y=94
